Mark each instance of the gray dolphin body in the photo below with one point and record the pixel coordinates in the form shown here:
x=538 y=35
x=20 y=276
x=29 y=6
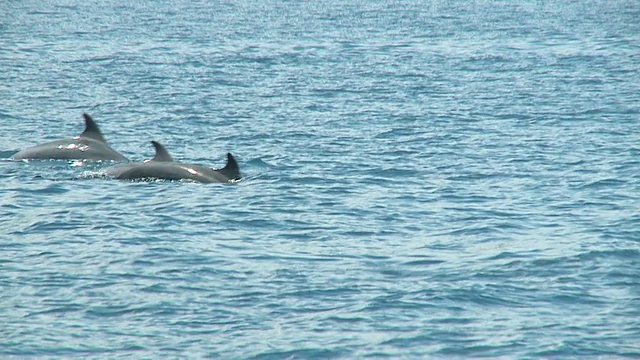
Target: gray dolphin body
x=90 y=145
x=163 y=167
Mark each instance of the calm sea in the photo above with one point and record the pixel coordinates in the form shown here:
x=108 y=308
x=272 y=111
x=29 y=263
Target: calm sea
x=422 y=179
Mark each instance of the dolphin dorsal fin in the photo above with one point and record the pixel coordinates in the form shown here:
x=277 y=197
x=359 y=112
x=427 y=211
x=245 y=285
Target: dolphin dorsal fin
x=161 y=153
x=231 y=171
x=91 y=129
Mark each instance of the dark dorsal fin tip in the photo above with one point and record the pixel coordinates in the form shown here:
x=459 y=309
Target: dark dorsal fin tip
x=91 y=129
x=231 y=170
x=161 y=153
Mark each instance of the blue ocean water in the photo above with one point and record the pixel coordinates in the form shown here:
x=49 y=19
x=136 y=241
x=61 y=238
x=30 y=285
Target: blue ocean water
x=421 y=180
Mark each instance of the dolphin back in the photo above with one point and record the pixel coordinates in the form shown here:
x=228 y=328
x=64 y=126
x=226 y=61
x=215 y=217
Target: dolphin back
x=90 y=145
x=70 y=149
x=164 y=167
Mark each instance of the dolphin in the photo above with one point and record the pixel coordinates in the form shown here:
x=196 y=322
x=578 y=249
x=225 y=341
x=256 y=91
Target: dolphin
x=162 y=166
x=90 y=145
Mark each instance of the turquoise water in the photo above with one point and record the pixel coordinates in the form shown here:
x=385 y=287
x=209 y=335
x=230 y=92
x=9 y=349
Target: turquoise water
x=421 y=180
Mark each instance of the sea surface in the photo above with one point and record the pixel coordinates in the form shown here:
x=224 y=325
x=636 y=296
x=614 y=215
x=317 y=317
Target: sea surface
x=421 y=179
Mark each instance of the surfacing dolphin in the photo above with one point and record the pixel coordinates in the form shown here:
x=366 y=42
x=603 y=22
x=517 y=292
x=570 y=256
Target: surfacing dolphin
x=90 y=145
x=163 y=167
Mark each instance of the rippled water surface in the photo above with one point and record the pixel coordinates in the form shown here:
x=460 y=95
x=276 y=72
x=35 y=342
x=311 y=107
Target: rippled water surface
x=421 y=179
